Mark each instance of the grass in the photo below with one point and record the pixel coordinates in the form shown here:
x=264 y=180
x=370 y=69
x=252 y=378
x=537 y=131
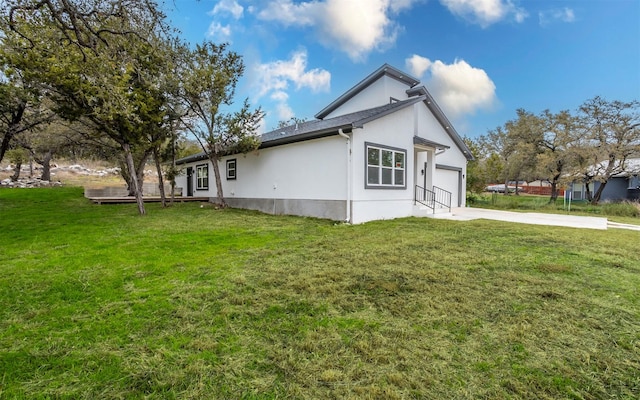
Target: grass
x=625 y=211
x=193 y=302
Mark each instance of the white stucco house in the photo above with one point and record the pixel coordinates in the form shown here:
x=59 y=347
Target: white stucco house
x=382 y=150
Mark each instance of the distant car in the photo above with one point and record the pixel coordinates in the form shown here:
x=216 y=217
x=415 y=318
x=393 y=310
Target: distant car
x=500 y=189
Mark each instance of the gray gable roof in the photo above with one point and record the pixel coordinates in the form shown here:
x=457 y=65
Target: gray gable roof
x=326 y=127
x=386 y=69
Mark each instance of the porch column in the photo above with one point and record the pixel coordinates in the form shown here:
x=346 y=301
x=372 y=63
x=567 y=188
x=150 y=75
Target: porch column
x=430 y=170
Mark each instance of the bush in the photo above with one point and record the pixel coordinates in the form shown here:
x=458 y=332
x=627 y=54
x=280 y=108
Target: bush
x=622 y=209
x=473 y=198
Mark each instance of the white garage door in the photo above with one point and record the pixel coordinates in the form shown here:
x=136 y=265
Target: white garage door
x=449 y=180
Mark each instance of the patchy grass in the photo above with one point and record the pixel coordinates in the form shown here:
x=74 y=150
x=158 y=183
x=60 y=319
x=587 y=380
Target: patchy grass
x=190 y=302
x=624 y=211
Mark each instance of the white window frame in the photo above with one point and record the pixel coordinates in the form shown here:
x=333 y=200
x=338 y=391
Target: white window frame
x=202 y=177
x=395 y=168
x=232 y=169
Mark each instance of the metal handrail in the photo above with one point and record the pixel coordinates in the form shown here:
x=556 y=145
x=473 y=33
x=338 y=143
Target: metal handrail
x=442 y=197
x=432 y=198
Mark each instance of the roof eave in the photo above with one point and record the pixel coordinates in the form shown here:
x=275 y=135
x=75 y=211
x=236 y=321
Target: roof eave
x=442 y=119
x=385 y=69
x=192 y=158
x=305 y=136
x=362 y=122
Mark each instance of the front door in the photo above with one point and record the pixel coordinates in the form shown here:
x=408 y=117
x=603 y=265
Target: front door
x=190 y=181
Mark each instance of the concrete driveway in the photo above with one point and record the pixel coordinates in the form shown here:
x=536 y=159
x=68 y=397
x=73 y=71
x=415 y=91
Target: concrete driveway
x=572 y=221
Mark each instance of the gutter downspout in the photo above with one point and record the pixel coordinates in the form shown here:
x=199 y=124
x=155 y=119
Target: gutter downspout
x=344 y=135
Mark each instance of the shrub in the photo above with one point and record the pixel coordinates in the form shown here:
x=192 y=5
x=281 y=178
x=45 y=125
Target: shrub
x=622 y=209
x=473 y=198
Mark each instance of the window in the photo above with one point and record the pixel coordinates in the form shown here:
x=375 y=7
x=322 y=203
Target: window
x=634 y=182
x=202 y=177
x=385 y=167
x=231 y=169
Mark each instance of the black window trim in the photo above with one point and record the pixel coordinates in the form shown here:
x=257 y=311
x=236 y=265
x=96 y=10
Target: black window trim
x=198 y=187
x=235 y=169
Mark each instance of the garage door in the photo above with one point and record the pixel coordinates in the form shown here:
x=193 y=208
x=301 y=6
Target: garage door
x=449 y=180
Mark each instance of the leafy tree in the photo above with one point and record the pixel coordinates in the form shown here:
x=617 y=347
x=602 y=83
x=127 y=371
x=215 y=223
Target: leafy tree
x=100 y=62
x=21 y=109
x=511 y=156
x=45 y=142
x=475 y=174
x=209 y=80
x=556 y=143
x=17 y=157
x=612 y=129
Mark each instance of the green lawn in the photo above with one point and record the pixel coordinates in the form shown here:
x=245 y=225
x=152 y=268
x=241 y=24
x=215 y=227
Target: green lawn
x=624 y=212
x=191 y=302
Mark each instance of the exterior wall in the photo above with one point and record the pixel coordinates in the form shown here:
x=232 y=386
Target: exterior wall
x=311 y=178
x=445 y=177
x=615 y=190
x=329 y=209
x=307 y=178
x=376 y=94
x=395 y=130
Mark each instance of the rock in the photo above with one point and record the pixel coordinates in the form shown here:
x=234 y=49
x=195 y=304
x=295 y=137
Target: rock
x=29 y=183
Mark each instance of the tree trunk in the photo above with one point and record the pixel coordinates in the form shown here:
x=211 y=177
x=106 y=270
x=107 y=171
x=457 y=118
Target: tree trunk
x=134 y=178
x=596 y=196
x=554 y=188
x=4 y=146
x=163 y=197
x=16 y=171
x=587 y=192
x=139 y=173
x=173 y=168
x=140 y=170
x=10 y=132
x=216 y=172
x=46 y=166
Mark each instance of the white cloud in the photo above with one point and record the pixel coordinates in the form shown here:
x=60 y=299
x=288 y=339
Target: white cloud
x=355 y=27
x=290 y=14
x=228 y=6
x=275 y=78
x=485 y=12
x=417 y=65
x=562 y=15
x=459 y=88
x=219 y=32
x=285 y=113
x=279 y=95
x=277 y=75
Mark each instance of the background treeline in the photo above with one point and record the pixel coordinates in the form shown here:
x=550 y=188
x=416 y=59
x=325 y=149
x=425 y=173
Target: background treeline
x=589 y=145
x=112 y=79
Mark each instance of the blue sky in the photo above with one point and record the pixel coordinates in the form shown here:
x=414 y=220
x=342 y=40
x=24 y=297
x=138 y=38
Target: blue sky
x=481 y=59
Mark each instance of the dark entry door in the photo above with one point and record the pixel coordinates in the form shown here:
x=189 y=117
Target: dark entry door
x=190 y=181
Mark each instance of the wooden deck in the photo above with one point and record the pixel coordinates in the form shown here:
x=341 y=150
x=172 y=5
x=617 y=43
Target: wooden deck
x=146 y=199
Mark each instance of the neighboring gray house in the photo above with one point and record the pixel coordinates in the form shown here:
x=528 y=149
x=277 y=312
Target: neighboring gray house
x=622 y=186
